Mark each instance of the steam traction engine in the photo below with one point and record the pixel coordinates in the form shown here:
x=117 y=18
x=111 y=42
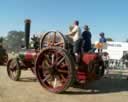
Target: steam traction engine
x=54 y=63
x=26 y=59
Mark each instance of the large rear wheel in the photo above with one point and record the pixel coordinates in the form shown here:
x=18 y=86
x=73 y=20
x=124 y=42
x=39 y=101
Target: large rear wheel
x=54 y=69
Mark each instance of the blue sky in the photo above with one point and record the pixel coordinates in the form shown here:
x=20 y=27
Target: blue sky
x=109 y=16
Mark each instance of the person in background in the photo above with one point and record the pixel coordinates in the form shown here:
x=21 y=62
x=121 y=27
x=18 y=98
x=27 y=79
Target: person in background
x=102 y=41
x=102 y=38
x=86 y=37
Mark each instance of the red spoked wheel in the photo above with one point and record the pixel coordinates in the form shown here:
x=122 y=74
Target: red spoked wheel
x=100 y=68
x=54 y=69
x=53 y=38
x=96 y=69
x=13 y=69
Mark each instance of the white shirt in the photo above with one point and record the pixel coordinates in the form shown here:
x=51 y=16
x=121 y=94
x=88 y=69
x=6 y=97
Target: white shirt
x=75 y=33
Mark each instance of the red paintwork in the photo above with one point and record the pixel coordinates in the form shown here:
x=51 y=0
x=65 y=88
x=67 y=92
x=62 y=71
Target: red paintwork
x=87 y=57
x=30 y=55
x=81 y=76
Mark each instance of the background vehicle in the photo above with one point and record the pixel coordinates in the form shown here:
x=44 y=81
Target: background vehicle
x=117 y=52
x=3 y=55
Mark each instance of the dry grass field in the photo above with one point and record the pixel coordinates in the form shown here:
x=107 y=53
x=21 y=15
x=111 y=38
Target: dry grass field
x=29 y=90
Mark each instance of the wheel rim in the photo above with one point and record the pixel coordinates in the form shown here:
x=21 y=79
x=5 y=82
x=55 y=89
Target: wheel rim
x=12 y=68
x=53 y=38
x=53 y=70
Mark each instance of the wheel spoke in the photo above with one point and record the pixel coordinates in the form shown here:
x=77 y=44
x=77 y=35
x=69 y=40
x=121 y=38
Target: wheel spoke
x=62 y=77
x=47 y=58
x=63 y=71
x=13 y=66
x=59 y=44
x=54 y=38
x=58 y=57
x=45 y=44
x=46 y=77
x=53 y=56
x=49 y=40
x=14 y=73
x=55 y=83
x=64 y=65
x=45 y=67
x=61 y=60
x=46 y=72
x=46 y=64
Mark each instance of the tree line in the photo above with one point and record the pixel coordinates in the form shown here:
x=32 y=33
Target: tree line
x=15 y=39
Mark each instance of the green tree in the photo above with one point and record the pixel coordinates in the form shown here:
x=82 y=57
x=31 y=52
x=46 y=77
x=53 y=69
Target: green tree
x=126 y=40
x=1 y=39
x=109 y=39
x=14 y=40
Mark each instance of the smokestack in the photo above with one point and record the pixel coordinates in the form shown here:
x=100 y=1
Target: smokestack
x=27 y=32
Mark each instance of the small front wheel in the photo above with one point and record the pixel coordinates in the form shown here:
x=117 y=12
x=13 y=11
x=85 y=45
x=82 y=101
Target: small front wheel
x=13 y=69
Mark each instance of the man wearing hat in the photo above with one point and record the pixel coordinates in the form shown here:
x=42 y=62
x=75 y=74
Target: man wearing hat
x=86 y=36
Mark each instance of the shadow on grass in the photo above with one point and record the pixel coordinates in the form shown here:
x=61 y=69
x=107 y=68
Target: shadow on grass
x=111 y=84
x=103 y=86
x=28 y=79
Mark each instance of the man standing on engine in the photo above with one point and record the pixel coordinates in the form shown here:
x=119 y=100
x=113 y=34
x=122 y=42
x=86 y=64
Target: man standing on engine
x=75 y=35
x=86 y=36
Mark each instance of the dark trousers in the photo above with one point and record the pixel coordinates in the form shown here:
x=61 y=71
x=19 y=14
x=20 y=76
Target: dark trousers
x=77 y=46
